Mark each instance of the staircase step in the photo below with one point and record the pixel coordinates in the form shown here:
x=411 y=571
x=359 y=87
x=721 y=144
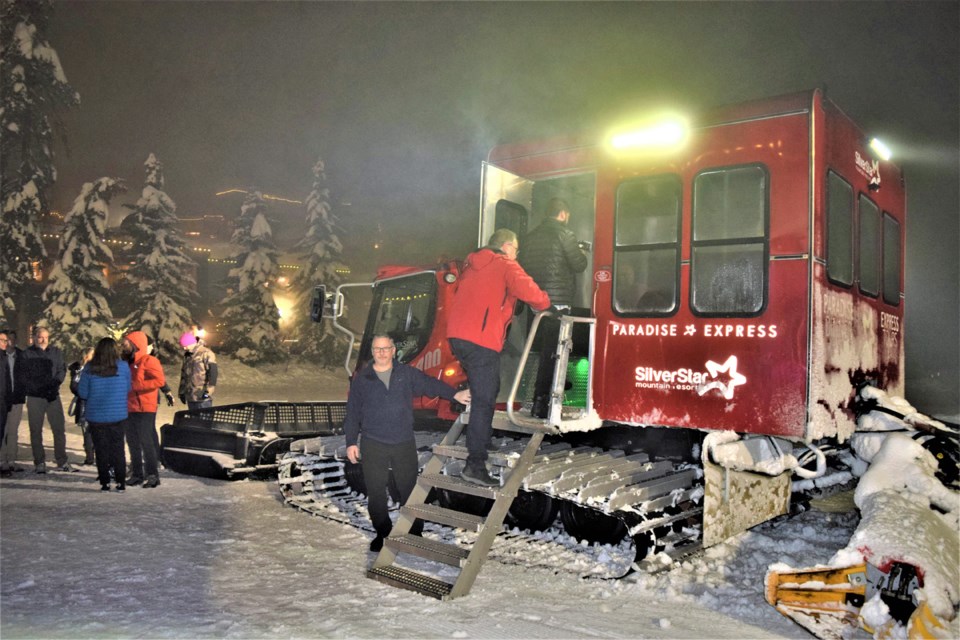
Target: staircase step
x=455 y=483
x=435 y=550
x=440 y=515
x=407 y=579
x=459 y=452
x=501 y=422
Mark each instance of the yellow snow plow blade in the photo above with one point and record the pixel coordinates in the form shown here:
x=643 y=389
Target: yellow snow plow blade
x=925 y=625
x=826 y=602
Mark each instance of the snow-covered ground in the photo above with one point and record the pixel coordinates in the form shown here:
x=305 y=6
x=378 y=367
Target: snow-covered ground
x=204 y=558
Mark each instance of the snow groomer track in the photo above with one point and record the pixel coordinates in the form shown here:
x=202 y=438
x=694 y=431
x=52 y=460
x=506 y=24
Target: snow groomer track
x=629 y=506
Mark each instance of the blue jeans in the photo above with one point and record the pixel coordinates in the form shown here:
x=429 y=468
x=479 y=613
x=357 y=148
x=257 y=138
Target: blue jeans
x=482 y=366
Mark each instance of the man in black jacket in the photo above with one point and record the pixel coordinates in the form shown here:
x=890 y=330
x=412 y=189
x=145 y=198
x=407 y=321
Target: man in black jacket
x=43 y=373
x=5 y=393
x=14 y=362
x=553 y=258
x=380 y=406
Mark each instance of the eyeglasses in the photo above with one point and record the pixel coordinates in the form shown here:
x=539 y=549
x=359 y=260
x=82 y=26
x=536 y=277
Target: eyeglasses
x=384 y=349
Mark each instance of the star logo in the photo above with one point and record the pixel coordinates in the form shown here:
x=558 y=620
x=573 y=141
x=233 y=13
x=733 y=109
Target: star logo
x=730 y=367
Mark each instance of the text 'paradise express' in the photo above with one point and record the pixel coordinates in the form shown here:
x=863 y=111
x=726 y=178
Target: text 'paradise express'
x=711 y=330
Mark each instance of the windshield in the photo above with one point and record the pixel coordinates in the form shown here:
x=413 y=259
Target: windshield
x=403 y=308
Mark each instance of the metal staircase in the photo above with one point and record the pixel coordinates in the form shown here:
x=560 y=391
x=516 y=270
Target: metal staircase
x=469 y=561
x=514 y=473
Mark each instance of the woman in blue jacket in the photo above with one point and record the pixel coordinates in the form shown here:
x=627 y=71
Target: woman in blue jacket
x=104 y=385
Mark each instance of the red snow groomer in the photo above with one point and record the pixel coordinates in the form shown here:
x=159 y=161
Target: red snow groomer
x=745 y=278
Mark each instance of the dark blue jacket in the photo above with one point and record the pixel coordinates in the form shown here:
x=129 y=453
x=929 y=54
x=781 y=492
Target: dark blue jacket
x=386 y=415
x=105 y=396
x=43 y=372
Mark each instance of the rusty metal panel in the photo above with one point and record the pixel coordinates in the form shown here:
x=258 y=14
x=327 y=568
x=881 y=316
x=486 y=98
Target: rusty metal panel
x=734 y=501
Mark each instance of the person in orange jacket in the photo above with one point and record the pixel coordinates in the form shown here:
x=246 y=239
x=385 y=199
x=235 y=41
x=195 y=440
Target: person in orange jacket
x=146 y=378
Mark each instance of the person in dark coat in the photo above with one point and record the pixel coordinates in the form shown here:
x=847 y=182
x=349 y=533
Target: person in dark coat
x=490 y=285
x=5 y=392
x=44 y=372
x=380 y=408
x=104 y=386
x=553 y=258
x=10 y=441
x=77 y=405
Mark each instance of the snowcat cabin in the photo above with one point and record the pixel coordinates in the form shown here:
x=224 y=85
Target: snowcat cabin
x=744 y=277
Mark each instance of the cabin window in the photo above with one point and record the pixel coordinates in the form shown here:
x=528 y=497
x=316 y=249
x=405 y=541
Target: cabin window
x=891 y=260
x=405 y=310
x=646 y=259
x=839 y=230
x=730 y=241
x=869 y=246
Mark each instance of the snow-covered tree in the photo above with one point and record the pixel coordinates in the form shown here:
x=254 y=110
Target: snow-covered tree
x=32 y=88
x=159 y=285
x=77 y=312
x=320 y=251
x=250 y=315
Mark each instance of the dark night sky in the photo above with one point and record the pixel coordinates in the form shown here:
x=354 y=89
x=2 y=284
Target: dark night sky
x=403 y=100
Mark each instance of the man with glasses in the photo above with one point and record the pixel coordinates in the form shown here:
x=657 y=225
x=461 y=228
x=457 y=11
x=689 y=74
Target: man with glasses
x=380 y=407
x=490 y=285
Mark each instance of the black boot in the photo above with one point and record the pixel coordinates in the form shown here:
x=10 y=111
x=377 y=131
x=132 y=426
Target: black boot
x=477 y=474
x=540 y=408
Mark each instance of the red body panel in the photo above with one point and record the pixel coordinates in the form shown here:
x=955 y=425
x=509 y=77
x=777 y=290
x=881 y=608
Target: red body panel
x=789 y=370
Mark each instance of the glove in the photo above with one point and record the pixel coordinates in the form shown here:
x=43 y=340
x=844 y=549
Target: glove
x=169 y=397
x=183 y=399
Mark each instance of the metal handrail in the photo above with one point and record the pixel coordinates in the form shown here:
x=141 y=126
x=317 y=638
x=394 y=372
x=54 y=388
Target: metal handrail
x=559 y=373
x=338 y=311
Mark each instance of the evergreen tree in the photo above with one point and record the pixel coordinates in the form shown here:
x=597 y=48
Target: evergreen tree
x=77 y=312
x=32 y=88
x=250 y=315
x=159 y=285
x=320 y=252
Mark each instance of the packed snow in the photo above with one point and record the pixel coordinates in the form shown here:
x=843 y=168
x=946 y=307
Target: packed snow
x=205 y=558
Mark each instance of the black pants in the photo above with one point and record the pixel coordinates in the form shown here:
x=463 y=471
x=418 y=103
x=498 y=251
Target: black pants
x=377 y=459
x=482 y=366
x=108 y=443
x=140 y=429
x=547 y=336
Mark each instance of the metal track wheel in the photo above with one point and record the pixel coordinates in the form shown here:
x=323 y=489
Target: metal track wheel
x=532 y=511
x=591 y=525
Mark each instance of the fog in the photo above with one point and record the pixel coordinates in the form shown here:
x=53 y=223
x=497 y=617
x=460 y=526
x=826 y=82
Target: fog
x=403 y=101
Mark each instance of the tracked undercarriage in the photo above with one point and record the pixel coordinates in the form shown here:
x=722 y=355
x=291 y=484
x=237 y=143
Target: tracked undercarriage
x=628 y=505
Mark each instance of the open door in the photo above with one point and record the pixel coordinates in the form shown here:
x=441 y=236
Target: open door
x=505 y=201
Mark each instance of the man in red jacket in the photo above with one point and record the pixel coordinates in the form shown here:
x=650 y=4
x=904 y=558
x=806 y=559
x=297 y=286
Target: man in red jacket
x=490 y=285
x=146 y=377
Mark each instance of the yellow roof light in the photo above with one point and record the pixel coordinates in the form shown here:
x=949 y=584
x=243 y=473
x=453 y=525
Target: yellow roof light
x=879 y=148
x=665 y=134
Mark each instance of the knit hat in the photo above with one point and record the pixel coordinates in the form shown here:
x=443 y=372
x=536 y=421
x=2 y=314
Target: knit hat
x=188 y=339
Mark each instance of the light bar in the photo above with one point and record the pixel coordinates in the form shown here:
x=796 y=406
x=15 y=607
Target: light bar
x=665 y=134
x=880 y=149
